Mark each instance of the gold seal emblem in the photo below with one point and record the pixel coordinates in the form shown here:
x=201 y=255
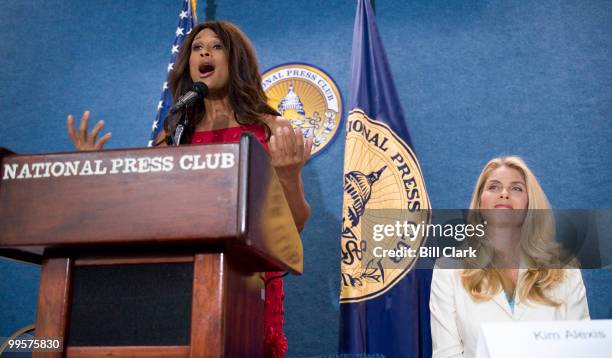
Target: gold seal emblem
x=307 y=97
x=381 y=176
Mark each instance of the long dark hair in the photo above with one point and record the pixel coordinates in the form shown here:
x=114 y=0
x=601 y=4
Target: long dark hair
x=246 y=95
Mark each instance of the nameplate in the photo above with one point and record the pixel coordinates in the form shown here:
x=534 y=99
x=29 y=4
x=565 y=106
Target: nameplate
x=115 y=196
x=592 y=339
x=15 y=168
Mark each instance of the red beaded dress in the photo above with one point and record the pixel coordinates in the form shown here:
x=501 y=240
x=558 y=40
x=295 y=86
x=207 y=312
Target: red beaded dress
x=275 y=342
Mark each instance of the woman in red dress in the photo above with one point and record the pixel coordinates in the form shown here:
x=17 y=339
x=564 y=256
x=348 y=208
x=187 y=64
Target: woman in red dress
x=220 y=55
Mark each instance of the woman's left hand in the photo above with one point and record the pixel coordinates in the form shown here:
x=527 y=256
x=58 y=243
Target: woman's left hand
x=289 y=152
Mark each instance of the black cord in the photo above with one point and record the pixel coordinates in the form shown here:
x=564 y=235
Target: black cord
x=266 y=282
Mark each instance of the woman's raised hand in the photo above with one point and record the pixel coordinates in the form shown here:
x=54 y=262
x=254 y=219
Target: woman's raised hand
x=83 y=141
x=289 y=151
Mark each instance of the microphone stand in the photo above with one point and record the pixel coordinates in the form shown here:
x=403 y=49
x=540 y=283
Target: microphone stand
x=175 y=138
x=180 y=128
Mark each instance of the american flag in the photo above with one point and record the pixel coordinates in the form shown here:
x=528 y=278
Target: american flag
x=187 y=20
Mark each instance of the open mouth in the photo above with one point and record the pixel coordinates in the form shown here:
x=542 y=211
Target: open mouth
x=502 y=206
x=206 y=69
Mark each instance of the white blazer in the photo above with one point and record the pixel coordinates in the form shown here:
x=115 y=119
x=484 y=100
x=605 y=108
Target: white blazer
x=456 y=317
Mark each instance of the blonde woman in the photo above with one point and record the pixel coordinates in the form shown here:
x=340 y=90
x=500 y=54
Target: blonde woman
x=512 y=278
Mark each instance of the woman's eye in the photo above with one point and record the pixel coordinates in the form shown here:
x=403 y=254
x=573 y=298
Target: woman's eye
x=517 y=188
x=493 y=187
x=196 y=47
x=217 y=46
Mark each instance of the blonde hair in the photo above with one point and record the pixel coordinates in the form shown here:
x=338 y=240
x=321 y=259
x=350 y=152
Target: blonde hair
x=537 y=244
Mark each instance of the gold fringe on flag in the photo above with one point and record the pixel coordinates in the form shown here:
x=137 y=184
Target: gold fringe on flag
x=194 y=4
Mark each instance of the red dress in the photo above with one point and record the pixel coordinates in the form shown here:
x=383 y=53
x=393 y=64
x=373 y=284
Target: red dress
x=275 y=342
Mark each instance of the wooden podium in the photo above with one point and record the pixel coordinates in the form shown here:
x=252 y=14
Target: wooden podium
x=155 y=252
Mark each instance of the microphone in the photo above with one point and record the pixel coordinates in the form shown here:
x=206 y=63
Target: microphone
x=197 y=93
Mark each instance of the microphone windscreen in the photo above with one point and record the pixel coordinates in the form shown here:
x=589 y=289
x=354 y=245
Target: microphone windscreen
x=201 y=88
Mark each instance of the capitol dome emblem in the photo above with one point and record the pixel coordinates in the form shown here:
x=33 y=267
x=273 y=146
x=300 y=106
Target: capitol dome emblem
x=308 y=97
x=383 y=184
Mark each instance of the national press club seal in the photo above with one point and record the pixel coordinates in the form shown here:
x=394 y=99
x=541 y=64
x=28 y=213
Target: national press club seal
x=307 y=97
x=381 y=175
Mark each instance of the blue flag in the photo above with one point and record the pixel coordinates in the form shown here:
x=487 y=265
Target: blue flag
x=187 y=21
x=384 y=308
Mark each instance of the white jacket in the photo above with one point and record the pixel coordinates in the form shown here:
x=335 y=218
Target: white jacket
x=456 y=317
